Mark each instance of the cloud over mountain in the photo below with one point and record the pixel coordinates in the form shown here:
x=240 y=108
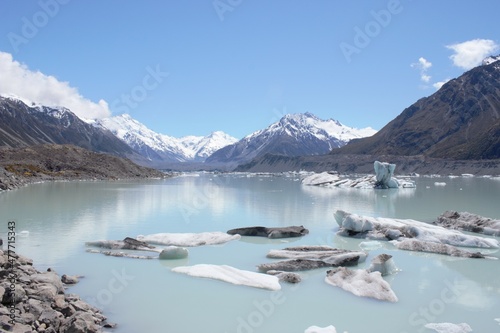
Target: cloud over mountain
x=33 y=86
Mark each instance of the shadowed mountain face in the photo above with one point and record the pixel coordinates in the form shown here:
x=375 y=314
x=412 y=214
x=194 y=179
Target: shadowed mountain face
x=24 y=126
x=460 y=121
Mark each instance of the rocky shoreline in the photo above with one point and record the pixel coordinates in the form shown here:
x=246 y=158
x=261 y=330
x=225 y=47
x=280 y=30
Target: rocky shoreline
x=34 y=301
x=36 y=164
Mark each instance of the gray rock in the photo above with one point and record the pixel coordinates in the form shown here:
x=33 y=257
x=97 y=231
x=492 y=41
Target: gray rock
x=280 y=232
x=79 y=323
x=50 y=278
x=69 y=279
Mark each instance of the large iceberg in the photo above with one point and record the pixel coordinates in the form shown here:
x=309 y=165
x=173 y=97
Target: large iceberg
x=383 y=178
x=399 y=229
x=188 y=239
x=231 y=275
x=360 y=282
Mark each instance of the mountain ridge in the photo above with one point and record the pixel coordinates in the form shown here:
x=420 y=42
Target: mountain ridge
x=459 y=121
x=293 y=135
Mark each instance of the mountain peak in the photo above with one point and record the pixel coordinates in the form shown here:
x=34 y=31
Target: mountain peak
x=491 y=59
x=293 y=135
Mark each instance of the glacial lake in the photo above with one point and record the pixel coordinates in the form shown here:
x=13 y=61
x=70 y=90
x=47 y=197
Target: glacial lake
x=145 y=296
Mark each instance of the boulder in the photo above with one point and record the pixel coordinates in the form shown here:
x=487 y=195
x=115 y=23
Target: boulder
x=69 y=279
x=80 y=322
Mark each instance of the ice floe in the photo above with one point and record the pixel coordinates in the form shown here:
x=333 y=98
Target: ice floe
x=311 y=257
x=466 y=221
x=231 y=275
x=420 y=246
x=174 y=252
x=387 y=228
x=360 y=282
x=384 y=264
x=449 y=327
x=317 y=329
x=188 y=239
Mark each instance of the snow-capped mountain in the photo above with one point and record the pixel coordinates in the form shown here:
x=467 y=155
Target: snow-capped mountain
x=163 y=148
x=293 y=135
x=23 y=125
x=490 y=60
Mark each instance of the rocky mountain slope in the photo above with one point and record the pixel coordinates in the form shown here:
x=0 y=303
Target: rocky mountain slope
x=459 y=121
x=292 y=135
x=162 y=149
x=23 y=126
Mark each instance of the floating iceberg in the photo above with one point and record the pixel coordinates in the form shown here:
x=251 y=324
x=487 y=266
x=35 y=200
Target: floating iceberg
x=420 y=246
x=231 y=275
x=361 y=283
x=327 y=254
x=383 y=178
x=286 y=276
x=188 y=239
x=384 y=264
x=321 y=179
x=317 y=329
x=449 y=327
x=173 y=252
x=469 y=222
x=126 y=244
x=399 y=229
x=280 y=232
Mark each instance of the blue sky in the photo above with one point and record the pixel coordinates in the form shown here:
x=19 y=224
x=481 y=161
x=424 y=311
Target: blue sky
x=193 y=67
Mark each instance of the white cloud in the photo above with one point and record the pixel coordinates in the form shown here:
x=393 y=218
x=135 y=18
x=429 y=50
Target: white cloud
x=439 y=84
x=17 y=79
x=423 y=65
x=469 y=54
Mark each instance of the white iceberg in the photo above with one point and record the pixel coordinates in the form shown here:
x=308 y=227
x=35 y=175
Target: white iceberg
x=231 y=275
x=384 y=264
x=188 y=239
x=383 y=174
x=317 y=329
x=449 y=327
x=383 y=178
x=173 y=252
x=386 y=228
x=361 y=283
x=321 y=179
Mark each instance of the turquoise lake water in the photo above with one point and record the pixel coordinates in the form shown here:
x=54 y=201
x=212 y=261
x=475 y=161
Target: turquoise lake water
x=145 y=296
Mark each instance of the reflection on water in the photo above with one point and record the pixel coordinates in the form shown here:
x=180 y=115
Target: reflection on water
x=61 y=217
